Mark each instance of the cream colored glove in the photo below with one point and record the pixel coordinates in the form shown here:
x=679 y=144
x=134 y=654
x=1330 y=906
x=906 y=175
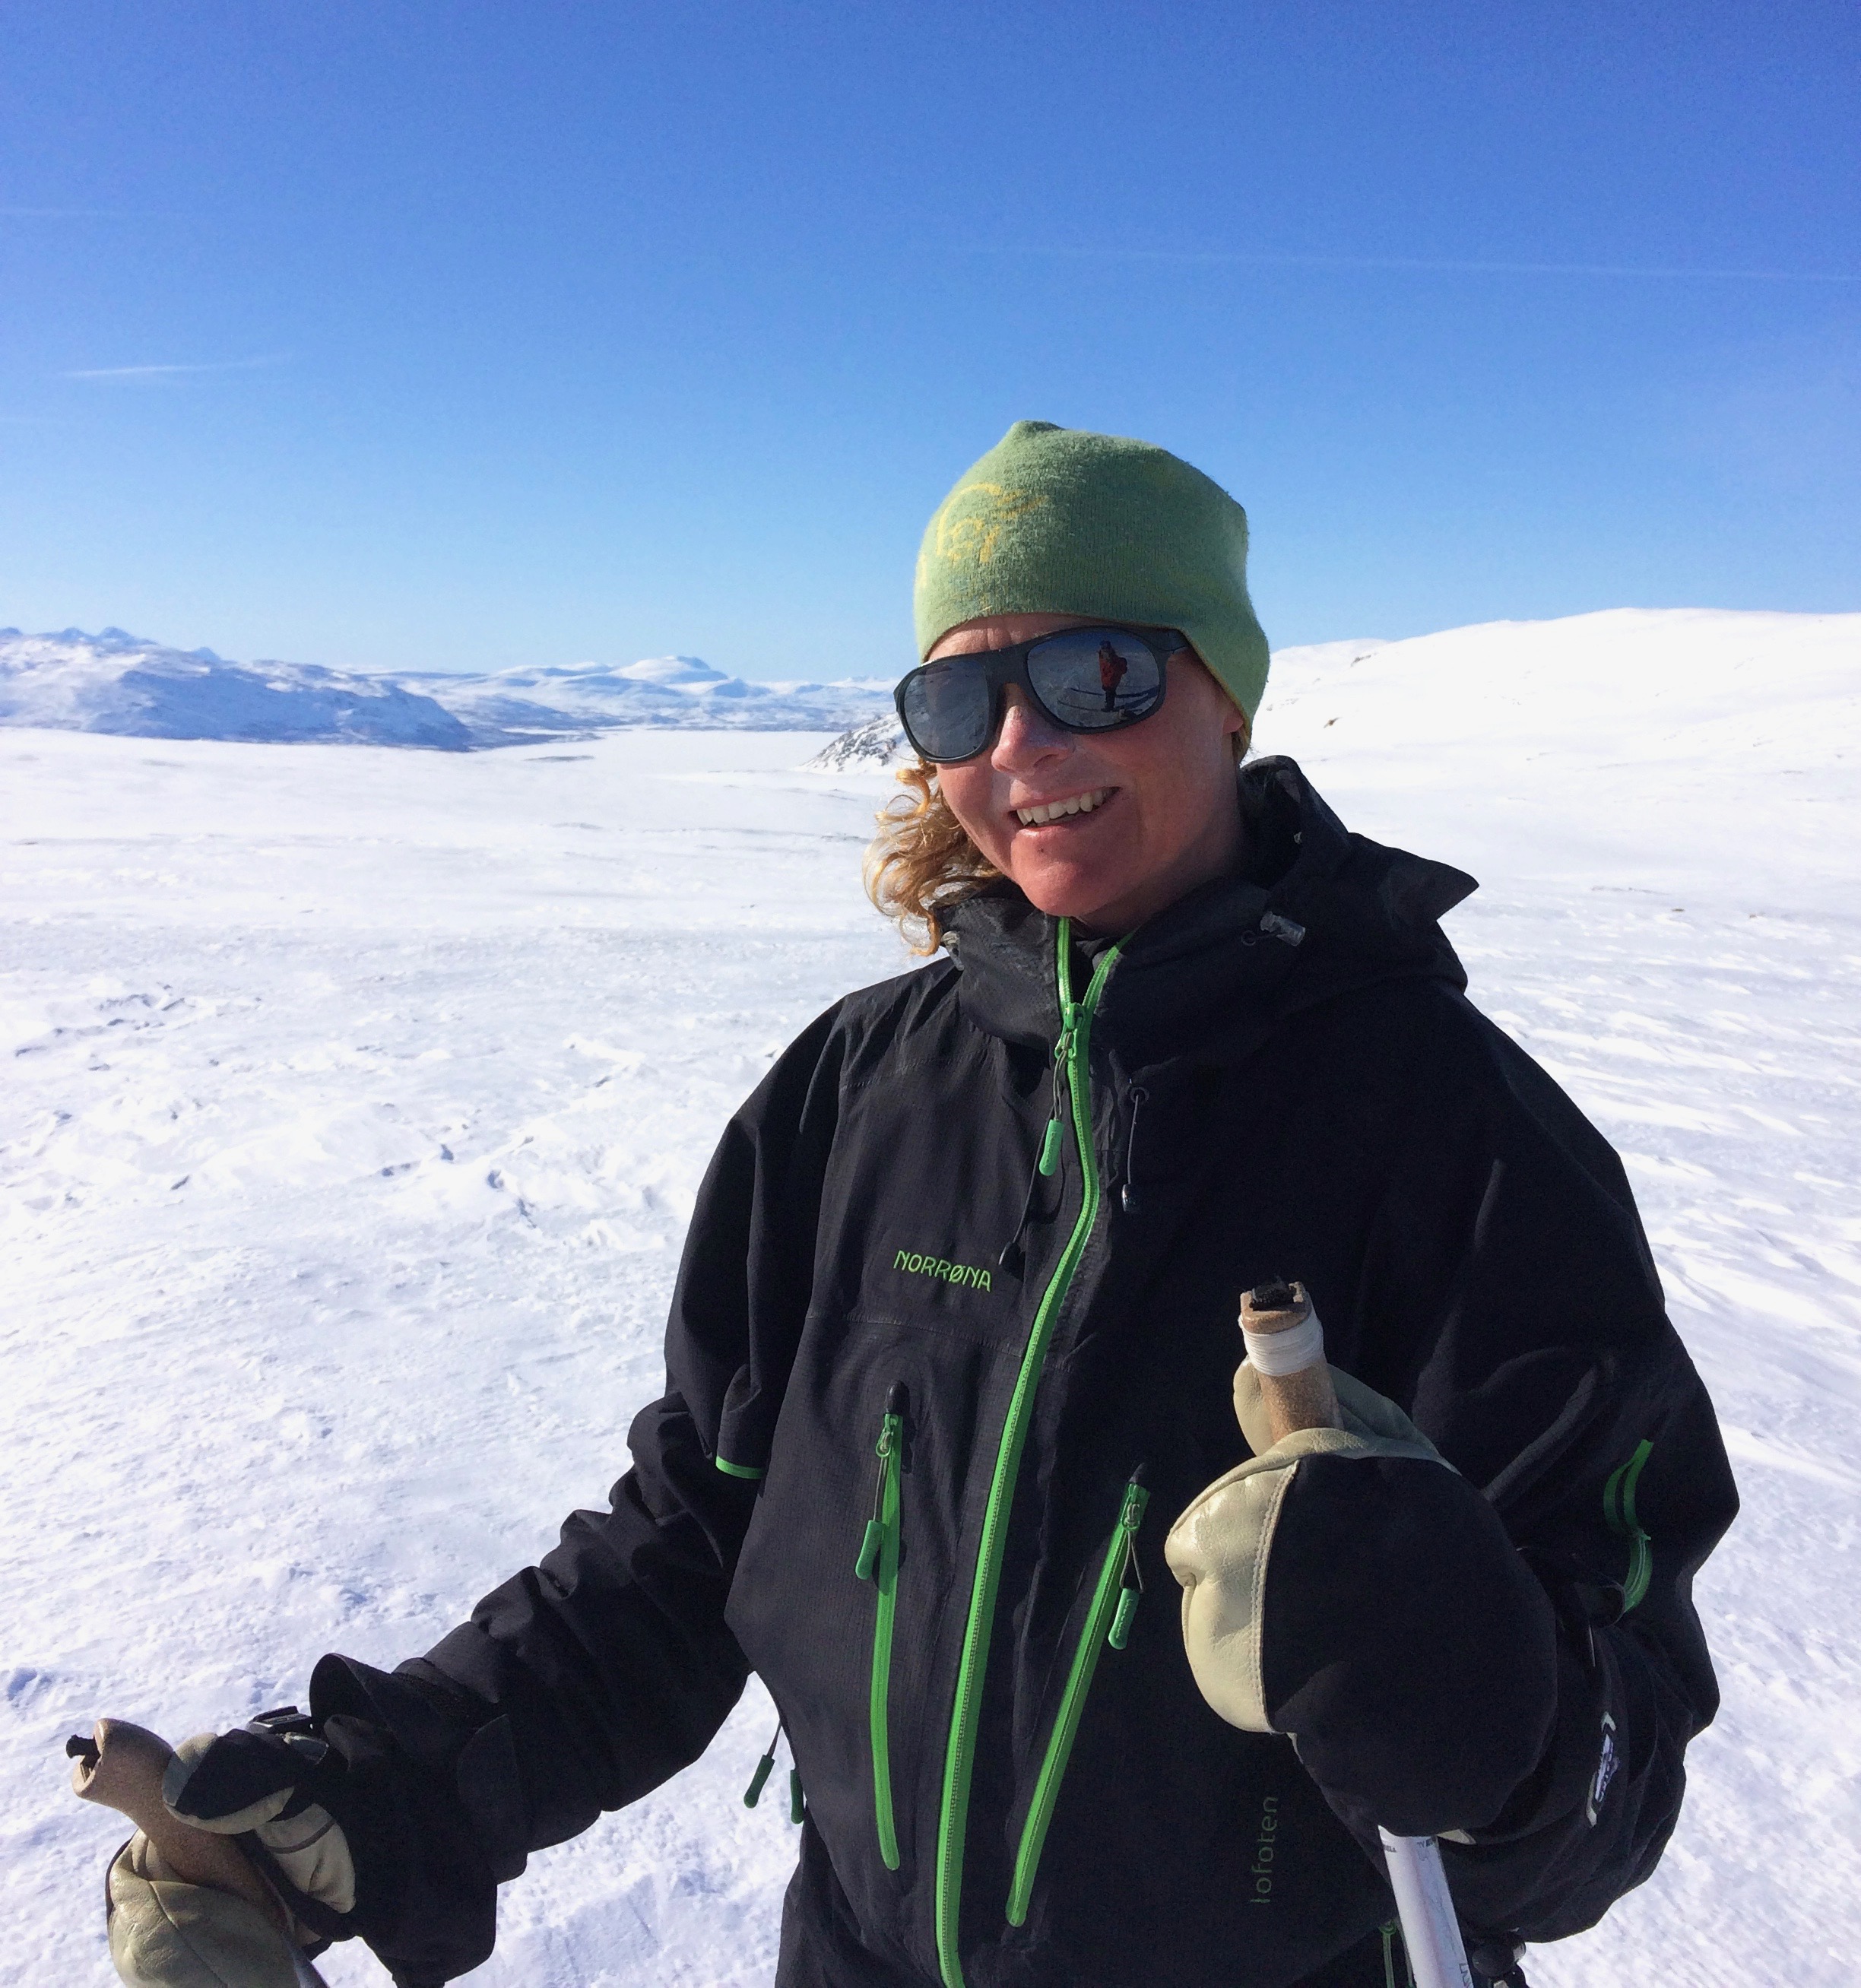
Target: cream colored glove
x=308 y=1842
x=183 y=1907
x=1219 y=1549
x=165 y=1932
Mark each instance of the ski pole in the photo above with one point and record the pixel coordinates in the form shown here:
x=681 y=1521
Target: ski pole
x=1304 y=1398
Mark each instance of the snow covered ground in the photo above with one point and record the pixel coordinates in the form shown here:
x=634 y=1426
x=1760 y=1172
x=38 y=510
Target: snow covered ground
x=358 y=1098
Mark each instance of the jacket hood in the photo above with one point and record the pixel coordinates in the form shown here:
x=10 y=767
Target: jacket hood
x=1313 y=912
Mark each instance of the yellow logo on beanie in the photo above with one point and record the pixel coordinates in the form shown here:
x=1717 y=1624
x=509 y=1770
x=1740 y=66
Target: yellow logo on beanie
x=971 y=519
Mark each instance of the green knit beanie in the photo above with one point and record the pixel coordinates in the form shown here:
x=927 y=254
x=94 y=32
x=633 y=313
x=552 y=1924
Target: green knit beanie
x=1061 y=521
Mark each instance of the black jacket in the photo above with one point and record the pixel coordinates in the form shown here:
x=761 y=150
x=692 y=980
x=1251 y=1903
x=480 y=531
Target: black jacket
x=1282 y=1077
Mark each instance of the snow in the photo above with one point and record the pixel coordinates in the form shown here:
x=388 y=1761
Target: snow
x=121 y=683
x=666 y=692
x=358 y=1100
x=672 y=670
x=879 y=742
x=117 y=682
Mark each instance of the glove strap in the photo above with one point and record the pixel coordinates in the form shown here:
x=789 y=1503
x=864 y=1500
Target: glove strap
x=325 y=1921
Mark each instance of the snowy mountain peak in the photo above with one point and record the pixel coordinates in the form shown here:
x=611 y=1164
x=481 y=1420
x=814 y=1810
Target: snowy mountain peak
x=116 y=682
x=680 y=670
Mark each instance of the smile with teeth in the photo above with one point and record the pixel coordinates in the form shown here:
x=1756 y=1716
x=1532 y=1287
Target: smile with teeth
x=1032 y=817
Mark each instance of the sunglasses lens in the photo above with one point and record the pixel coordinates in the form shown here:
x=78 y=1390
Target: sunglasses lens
x=946 y=708
x=1093 y=679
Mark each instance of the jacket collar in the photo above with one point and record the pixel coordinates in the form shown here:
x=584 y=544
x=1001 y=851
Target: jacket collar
x=1313 y=911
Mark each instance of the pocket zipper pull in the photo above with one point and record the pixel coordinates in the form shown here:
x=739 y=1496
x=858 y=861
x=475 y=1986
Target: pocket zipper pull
x=1121 y=1622
x=797 y=1806
x=1131 y=1575
x=872 y=1541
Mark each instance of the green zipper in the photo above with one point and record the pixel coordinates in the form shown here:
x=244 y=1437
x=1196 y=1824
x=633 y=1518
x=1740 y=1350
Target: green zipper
x=959 y=1757
x=878 y=1562
x=1107 y=1621
x=1619 y=1511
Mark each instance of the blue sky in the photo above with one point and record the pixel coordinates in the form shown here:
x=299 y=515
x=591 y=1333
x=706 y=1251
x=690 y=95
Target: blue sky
x=455 y=337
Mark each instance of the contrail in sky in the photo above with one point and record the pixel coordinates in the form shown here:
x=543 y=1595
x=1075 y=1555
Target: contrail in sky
x=1214 y=257
x=168 y=372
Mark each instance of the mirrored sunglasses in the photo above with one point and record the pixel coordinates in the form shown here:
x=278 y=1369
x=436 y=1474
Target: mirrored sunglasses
x=1094 y=679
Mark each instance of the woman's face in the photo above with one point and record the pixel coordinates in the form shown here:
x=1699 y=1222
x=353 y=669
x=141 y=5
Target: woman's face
x=1166 y=817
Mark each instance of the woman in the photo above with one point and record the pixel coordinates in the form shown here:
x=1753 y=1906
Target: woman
x=952 y=1348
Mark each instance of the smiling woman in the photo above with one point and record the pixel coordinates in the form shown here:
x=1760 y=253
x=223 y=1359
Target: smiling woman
x=1096 y=771
x=950 y=1384
x=1103 y=824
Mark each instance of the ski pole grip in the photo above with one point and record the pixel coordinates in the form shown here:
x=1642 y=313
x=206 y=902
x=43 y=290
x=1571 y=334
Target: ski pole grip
x=1286 y=1349
x=1285 y=1346
x=120 y=1767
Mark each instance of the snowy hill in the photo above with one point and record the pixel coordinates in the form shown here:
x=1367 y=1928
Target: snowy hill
x=356 y=1103
x=1635 y=742
x=117 y=682
x=879 y=742
x=1541 y=747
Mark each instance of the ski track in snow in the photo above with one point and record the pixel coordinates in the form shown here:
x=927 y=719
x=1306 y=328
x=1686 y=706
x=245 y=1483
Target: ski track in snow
x=357 y=1102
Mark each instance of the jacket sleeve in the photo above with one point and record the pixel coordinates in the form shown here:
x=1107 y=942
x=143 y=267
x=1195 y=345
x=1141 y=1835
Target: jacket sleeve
x=1510 y=1302
x=584 y=1682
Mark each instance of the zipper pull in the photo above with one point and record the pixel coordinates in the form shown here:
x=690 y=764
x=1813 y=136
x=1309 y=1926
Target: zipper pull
x=764 y=1768
x=1130 y=1578
x=891 y=1427
x=1013 y=1259
x=1050 y=1144
x=1121 y=1622
x=797 y=1801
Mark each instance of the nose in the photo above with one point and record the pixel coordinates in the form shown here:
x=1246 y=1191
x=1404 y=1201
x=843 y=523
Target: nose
x=1028 y=737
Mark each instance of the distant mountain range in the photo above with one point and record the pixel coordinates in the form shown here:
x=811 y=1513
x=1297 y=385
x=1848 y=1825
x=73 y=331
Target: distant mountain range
x=1782 y=682
x=116 y=682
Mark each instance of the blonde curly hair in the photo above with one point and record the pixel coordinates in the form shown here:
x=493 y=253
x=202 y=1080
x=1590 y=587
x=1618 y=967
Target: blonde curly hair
x=922 y=864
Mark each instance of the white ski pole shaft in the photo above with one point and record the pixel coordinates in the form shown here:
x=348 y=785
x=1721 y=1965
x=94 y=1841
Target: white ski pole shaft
x=1304 y=1398
x=1437 y=1956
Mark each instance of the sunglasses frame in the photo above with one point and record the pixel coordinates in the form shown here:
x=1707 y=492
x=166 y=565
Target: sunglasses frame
x=1003 y=666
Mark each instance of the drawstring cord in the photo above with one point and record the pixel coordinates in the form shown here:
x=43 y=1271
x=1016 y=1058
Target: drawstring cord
x=764 y=1768
x=797 y=1801
x=1128 y=1194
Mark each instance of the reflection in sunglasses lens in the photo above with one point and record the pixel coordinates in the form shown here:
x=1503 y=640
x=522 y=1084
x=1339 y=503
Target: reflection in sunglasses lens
x=947 y=710
x=1093 y=678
